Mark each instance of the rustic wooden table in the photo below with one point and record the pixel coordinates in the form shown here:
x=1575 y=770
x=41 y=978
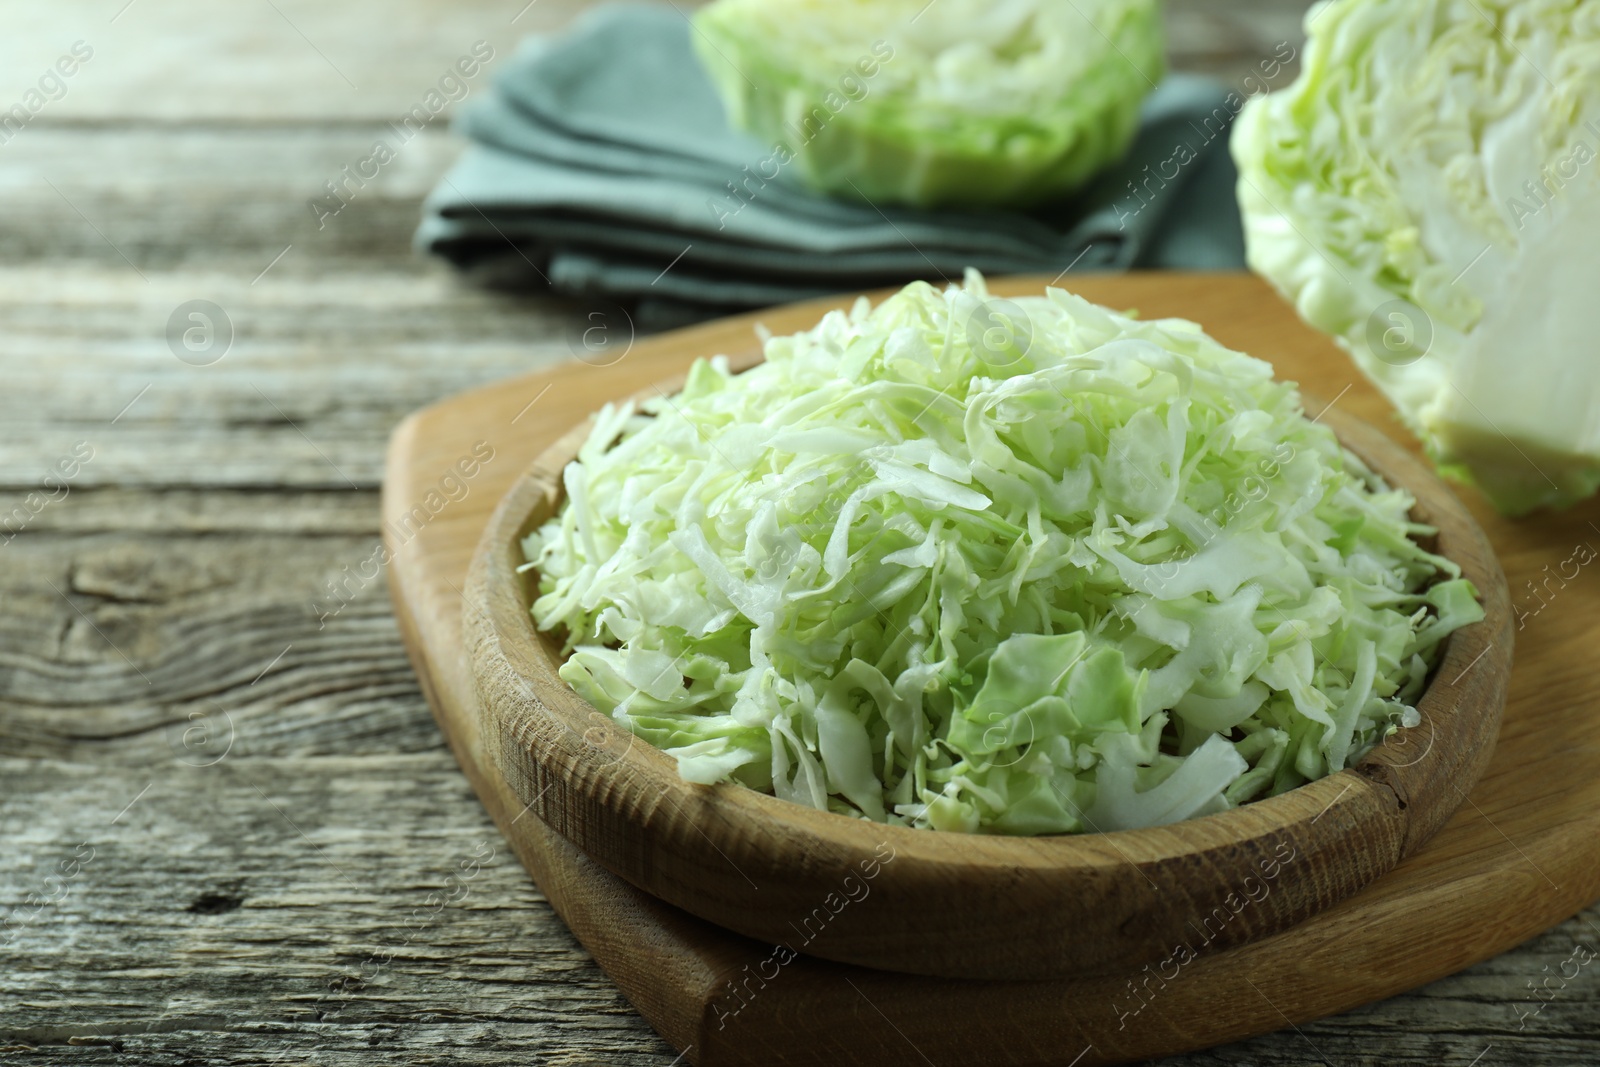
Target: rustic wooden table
x=220 y=795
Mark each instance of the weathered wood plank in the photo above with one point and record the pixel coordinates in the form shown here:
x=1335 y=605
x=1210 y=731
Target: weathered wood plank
x=1228 y=38
x=304 y=60
x=263 y=510
x=331 y=936
x=188 y=948
x=196 y=195
x=124 y=649
x=319 y=371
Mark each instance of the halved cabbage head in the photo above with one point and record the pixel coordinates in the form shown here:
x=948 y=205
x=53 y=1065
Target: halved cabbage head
x=1021 y=567
x=1428 y=192
x=964 y=102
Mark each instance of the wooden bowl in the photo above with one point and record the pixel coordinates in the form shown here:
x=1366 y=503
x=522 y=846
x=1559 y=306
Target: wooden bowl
x=976 y=906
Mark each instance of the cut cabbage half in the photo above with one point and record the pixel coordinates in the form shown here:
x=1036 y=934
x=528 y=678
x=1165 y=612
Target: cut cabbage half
x=1428 y=192
x=1017 y=567
x=965 y=102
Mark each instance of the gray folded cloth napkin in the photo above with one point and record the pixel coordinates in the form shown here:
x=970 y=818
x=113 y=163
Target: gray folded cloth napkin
x=601 y=163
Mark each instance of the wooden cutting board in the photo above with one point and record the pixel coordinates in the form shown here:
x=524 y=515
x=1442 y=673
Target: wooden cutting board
x=1522 y=854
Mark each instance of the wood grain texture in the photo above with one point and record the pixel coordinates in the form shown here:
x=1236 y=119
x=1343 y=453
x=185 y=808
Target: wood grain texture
x=972 y=906
x=1518 y=857
x=308 y=63
x=287 y=61
x=231 y=512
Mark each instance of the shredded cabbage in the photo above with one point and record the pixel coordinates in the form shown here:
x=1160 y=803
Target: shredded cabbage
x=1017 y=567
x=1428 y=192
x=966 y=102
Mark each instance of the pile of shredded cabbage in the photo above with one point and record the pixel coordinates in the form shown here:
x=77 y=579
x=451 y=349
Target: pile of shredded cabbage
x=976 y=565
